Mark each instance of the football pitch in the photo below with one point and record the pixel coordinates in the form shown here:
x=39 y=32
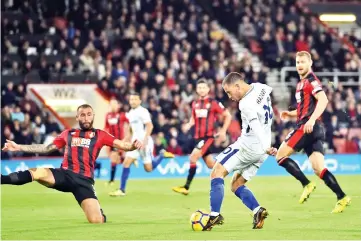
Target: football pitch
x=152 y=211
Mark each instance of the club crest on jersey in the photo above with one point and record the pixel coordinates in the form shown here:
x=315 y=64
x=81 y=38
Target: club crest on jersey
x=82 y=142
x=91 y=134
x=208 y=105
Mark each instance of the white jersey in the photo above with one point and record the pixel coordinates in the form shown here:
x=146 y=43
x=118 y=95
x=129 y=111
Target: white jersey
x=137 y=118
x=256 y=106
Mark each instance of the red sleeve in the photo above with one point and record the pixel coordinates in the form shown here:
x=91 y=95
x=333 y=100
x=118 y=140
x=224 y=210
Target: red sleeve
x=60 y=140
x=315 y=86
x=106 y=122
x=106 y=139
x=218 y=107
x=123 y=118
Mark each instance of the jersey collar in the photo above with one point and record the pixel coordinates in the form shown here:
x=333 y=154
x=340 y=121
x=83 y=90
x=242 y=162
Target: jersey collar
x=252 y=87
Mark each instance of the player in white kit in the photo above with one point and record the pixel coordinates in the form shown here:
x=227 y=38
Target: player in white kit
x=246 y=155
x=141 y=127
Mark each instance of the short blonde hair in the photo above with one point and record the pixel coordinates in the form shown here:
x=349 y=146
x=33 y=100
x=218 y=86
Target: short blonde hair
x=304 y=53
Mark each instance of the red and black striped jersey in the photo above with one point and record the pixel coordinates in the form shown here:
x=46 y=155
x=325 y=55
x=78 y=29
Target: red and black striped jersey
x=306 y=90
x=205 y=113
x=82 y=148
x=114 y=124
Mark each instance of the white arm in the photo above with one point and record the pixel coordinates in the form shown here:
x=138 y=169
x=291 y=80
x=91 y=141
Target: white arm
x=256 y=126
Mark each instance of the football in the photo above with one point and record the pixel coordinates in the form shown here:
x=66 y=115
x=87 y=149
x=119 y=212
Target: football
x=199 y=219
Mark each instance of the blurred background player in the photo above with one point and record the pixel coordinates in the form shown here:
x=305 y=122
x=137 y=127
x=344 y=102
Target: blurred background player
x=205 y=112
x=76 y=174
x=309 y=134
x=116 y=124
x=246 y=155
x=141 y=127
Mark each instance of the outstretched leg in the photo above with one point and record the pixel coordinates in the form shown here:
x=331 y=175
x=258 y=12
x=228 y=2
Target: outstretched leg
x=42 y=175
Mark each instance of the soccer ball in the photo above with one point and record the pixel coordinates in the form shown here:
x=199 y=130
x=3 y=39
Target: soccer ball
x=199 y=219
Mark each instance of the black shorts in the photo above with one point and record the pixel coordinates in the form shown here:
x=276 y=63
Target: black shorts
x=206 y=145
x=312 y=142
x=68 y=181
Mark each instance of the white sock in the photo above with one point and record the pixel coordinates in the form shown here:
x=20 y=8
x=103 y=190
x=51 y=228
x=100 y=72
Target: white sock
x=256 y=209
x=214 y=214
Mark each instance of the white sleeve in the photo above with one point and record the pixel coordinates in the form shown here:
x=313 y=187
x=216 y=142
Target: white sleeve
x=256 y=126
x=145 y=116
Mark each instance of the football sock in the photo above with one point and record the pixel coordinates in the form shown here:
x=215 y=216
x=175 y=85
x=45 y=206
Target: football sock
x=216 y=195
x=124 y=178
x=157 y=160
x=247 y=197
x=17 y=178
x=293 y=169
x=191 y=173
x=98 y=166
x=112 y=172
x=331 y=182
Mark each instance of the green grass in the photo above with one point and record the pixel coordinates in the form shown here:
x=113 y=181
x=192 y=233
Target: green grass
x=152 y=211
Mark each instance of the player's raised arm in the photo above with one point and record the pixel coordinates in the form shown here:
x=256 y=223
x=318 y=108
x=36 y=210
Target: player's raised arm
x=58 y=143
x=109 y=140
x=127 y=146
x=35 y=148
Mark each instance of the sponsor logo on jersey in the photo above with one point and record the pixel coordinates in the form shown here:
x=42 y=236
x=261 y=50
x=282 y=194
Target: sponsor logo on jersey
x=82 y=142
x=201 y=113
x=113 y=121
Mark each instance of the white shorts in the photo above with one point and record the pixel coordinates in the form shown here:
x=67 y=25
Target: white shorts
x=236 y=159
x=146 y=155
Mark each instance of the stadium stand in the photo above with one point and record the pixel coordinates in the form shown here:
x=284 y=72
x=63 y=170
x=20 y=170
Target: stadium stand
x=160 y=49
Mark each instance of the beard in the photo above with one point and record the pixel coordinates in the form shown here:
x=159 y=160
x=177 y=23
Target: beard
x=86 y=126
x=304 y=72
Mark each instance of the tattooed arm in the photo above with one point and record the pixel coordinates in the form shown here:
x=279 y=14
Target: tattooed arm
x=127 y=146
x=36 y=148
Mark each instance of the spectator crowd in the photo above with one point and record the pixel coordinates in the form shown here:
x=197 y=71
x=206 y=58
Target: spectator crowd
x=160 y=49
